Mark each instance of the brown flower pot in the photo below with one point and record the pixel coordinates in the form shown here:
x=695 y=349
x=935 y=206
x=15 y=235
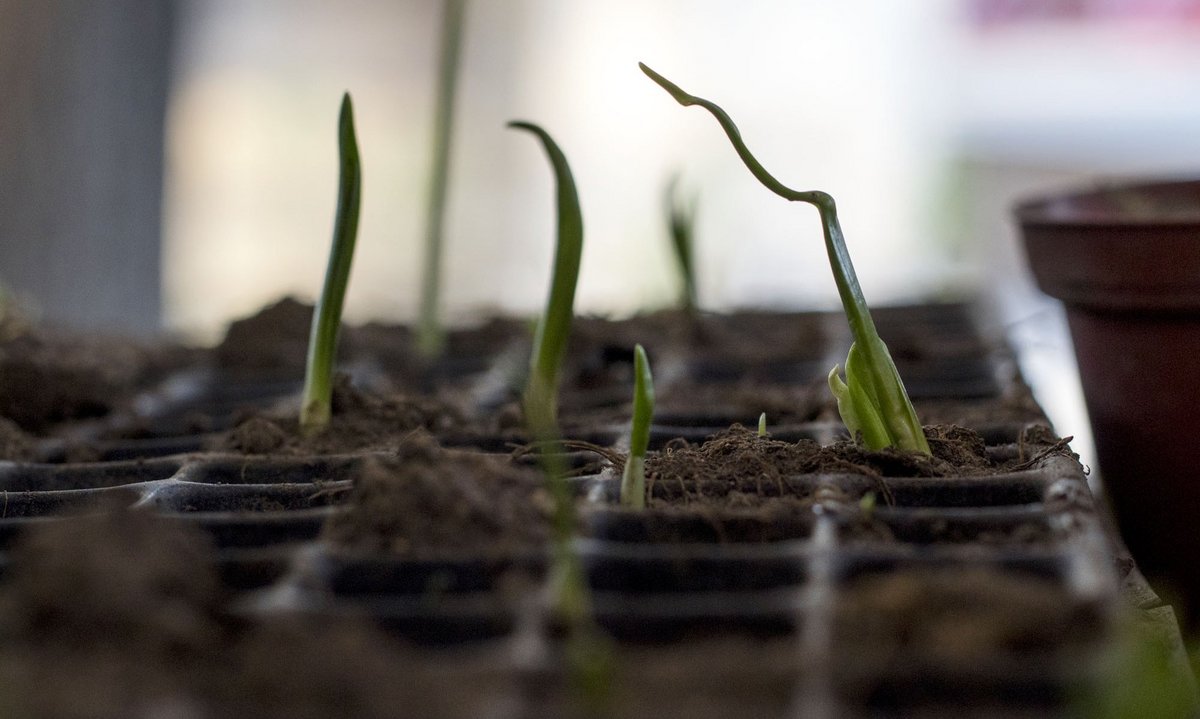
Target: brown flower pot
x=1125 y=260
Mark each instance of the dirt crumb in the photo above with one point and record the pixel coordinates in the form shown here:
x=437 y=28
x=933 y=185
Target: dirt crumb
x=15 y=444
x=429 y=501
x=361 y=421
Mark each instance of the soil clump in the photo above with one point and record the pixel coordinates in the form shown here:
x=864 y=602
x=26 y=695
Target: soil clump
x=427 y=501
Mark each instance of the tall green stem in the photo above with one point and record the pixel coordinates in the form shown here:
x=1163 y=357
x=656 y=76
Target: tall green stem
x=430 y=333
x=327 y=318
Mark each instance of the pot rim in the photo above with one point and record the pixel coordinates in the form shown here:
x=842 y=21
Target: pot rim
x=1076 y=207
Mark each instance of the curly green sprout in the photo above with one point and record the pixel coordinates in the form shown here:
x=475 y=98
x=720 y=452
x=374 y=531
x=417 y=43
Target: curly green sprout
x=681 y=224
x=872 y=399
x=633 y=477
x=430 y=333
x=322 y=342
x=762 y=426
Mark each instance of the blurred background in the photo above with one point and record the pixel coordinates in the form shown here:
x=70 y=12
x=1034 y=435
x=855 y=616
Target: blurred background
x=171 y=165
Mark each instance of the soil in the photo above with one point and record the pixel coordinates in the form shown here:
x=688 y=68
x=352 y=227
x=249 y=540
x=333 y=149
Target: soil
x=48 y=377
x=702 y=678
x=360 y=421
x=433 y=502
x=956 y=617
x=120 y=613
x=739 y=487
x=16 y=445
x=738 y=458
x=274 y=339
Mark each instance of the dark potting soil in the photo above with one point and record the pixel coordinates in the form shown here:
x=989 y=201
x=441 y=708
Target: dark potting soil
x=714 y=677
x=739 y=457
x=427 y=501
x=119 y=614
x=956 y=617
x=274 y=339
x=360 y=421
x=16 y=445
x=48 y=377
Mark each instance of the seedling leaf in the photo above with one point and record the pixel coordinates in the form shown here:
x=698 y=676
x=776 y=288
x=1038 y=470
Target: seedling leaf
x=327 y=317
x=633 y=477
x=554 y=326
x=876 y=374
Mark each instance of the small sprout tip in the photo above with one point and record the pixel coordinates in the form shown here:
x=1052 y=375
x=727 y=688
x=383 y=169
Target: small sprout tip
x=867 y=503
x=633 y=476
x=762 y=425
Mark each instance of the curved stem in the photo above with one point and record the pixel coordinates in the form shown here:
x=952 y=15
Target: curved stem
x=881 y=376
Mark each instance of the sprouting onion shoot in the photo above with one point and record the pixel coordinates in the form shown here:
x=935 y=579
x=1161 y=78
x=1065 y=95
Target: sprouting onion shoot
x=872 y=400
x=681 y=225
x=762 y=425
x=430 y=333
x=327 y=318
x=633 y=477
x=540 y=400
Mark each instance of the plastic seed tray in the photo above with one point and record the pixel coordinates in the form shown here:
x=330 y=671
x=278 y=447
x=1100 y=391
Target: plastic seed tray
x=994 y=596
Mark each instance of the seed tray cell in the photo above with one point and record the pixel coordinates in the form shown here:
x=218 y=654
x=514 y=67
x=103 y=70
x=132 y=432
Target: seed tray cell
x=272 y=470
x=662 y=433
x=637 y=569
x=1028 y=488
x=987 y=527
x=673 y=617
x=352 y=576
x=24 y=505
x=680 y=526
x=188 y=497
x=247 y=529
x=45 y=478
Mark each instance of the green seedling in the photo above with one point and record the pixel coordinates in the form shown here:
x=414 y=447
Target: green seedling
x=430 y=333
x=541 y=390
x=762 y=426
x=540 y=399
x=633 y=477
x=681 y=224
x=589 y=651
x=327 y=319
x=872 y=399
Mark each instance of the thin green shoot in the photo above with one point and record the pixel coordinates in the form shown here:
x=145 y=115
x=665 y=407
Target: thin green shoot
x=681 y=225
x=633 y=476
x=762 y=426
x=549 y=347
x=327 y=318
x=431 y=336
x=589 y=651
x=872 y=400
x=540 y=400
